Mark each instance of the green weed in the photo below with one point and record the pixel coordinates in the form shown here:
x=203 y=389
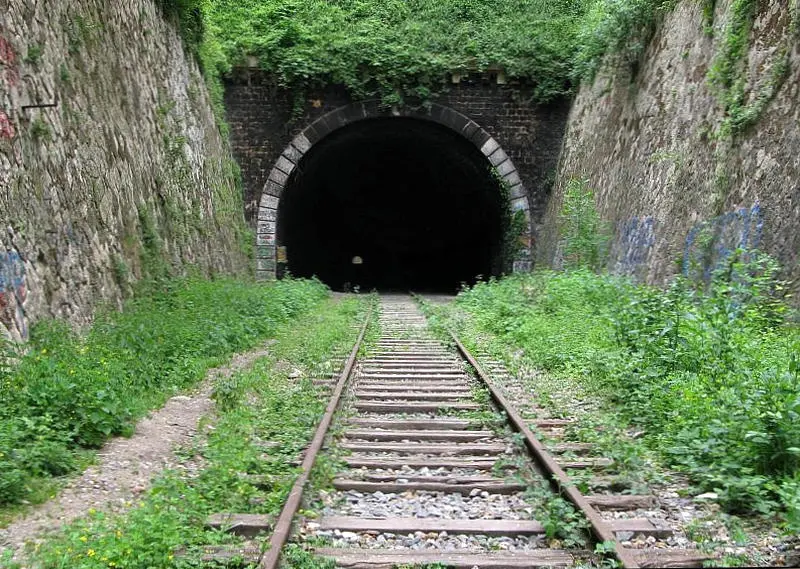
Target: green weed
x=584 y=236
x=707 y=372
x=166 y=528
x=70 y=393
x=34 y=54
x=40 y=130
x=403 y=52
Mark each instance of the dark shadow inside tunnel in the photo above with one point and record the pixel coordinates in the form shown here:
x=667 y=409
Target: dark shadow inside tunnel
x=417 y=203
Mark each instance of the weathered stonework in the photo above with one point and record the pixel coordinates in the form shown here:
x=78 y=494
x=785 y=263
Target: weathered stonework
x=645 y=141
x=521 y=139
x=105 y=123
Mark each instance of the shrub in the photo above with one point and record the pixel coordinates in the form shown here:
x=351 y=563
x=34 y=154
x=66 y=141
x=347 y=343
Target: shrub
x=71 y=392
x=708 y=371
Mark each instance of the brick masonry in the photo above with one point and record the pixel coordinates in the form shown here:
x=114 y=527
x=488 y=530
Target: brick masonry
x=520 y=138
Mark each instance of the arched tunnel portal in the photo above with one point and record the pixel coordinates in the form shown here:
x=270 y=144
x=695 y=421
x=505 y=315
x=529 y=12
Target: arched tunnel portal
x=392 y=203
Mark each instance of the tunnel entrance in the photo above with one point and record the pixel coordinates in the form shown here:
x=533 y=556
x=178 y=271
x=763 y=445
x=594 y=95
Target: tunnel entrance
x=412 y=200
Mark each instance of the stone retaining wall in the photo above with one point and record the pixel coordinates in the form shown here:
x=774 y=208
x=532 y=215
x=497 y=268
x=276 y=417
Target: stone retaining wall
x=108 y=149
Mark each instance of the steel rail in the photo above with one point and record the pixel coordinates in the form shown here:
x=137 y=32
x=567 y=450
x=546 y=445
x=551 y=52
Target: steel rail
x=600 y=528
x=283 y=526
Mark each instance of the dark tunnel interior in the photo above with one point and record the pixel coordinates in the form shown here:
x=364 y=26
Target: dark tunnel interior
x=416 y=202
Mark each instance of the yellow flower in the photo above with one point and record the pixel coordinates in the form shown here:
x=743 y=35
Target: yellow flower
x=44 y=351
x=119 y=534
x=90 y=553
x=83 y=538
x=92 y=511
x=170 y=557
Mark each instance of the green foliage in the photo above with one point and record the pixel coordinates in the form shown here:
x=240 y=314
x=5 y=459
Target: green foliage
x=515 y=227
x=34 y=54
x=560 y=519
x=709 y=9
x=708 y=372
x=400 y=50
x=155 y=267
x=724 y=73
x=80 y=31
x=188 y=16
x=64 y=74
x=236 y=474
x=621 y=27
x=40 y=130
x=584 y=236
x=296 y=557
x=73 y=392
x=728 y=75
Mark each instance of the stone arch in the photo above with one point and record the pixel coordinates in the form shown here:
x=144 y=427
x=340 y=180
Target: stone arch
x=267 y=256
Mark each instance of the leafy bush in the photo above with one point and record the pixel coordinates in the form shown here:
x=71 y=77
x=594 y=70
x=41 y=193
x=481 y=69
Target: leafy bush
x=402 y=50
x=709 y=372
x=71 y=392
x=584 y=236
x=188 y=14
x=270 y=406
x=399 y=49
x=621 y=27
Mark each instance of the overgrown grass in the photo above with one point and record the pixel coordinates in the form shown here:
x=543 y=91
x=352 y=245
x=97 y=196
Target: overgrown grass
x=711 y=376
x=267 y=403
x=71 y=392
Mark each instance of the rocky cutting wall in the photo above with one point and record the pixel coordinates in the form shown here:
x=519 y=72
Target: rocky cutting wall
x=111 y=163
x=649 y=137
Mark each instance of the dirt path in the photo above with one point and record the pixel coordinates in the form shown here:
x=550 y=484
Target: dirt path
x=126 y=466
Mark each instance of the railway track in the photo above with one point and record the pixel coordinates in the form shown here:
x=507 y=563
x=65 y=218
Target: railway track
x=436 y=467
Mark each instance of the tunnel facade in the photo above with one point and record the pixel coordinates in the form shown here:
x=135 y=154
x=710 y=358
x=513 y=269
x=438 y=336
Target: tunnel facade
x=372 y=199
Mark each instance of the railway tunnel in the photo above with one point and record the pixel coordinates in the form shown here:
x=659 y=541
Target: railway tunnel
x=412 y=202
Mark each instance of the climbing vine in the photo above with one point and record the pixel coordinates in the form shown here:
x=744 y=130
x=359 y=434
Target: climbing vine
x=742 y=104
x=402 y=51
x=616 y=27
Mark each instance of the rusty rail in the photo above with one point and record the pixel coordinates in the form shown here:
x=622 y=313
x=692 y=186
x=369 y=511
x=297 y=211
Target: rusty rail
x=283 y=526
x=600 y=528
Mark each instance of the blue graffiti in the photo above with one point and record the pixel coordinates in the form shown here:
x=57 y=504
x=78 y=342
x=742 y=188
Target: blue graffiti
x=12 y=272
x=635 y=239
x=13 y=293
x=740 y=229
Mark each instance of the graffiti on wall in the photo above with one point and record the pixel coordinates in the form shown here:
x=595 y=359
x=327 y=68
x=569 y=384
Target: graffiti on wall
x=13 y=292
x=10 y=75
x=634 y=241
x=710 y=243
x=6 y=127
x=8 y=60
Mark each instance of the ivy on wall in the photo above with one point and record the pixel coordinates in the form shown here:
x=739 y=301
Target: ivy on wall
x=402 y=51
x=743 y=103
